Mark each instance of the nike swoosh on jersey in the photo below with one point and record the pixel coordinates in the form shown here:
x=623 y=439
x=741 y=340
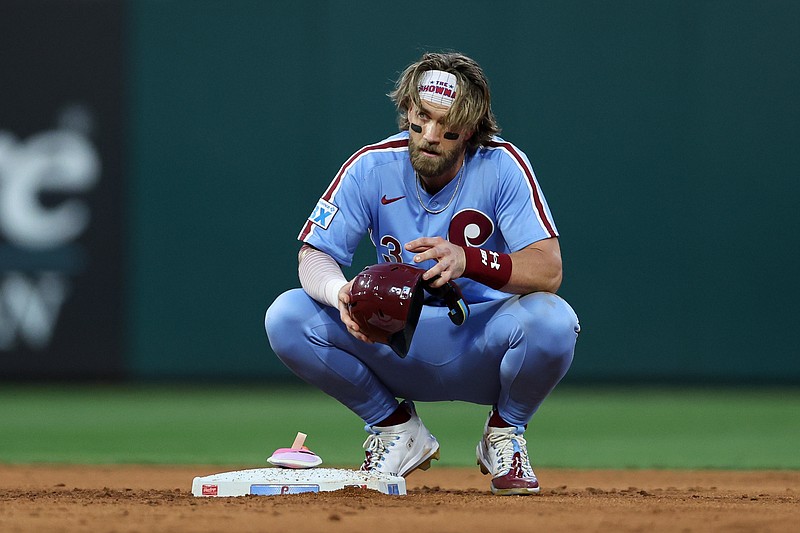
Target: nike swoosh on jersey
x=387 y=201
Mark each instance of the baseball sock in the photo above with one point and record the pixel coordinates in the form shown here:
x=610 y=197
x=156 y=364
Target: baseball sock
x=496 y=421
x=399 y=416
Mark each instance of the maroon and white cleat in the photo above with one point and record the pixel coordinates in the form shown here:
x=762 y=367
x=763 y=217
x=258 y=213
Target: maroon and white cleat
x=503 y=453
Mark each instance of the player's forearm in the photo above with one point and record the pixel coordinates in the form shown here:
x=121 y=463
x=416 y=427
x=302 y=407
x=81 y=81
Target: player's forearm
x=535 y=269
x=320 y=275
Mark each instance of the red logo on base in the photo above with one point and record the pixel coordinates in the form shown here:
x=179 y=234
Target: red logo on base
x=210 y=490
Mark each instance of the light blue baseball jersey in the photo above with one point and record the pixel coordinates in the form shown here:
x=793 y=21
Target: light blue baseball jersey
x=495 y=204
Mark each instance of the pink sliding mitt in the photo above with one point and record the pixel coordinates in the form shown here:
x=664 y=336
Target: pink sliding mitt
x=298 y=456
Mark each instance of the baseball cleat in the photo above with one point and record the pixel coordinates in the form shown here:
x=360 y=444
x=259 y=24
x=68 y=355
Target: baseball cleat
x=503 y=453
x=400 y=449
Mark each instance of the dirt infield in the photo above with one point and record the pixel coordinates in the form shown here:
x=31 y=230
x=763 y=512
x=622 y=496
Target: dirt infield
x=146 y=498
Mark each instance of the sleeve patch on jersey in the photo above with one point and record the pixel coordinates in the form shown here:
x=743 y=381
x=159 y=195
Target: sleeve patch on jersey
x=323 y=214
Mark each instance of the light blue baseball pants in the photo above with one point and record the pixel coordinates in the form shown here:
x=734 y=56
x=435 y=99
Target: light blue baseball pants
x=510 y=354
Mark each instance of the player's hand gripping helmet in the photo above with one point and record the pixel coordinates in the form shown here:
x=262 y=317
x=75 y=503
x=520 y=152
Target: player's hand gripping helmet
x=386 y=301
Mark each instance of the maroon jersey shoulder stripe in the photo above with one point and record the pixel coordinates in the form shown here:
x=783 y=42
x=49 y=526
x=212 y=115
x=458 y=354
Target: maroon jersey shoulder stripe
x=398 y=143
x=537 y=200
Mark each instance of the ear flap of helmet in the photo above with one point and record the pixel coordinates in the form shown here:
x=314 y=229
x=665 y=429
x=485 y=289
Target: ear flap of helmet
x=400 y=341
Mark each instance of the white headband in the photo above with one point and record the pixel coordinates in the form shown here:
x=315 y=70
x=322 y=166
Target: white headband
x=438 y=87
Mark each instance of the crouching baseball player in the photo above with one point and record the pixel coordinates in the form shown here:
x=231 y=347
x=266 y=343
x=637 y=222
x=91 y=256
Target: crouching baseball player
x=461 y=304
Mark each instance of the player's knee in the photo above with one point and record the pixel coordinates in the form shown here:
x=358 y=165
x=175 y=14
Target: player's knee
x=552 y=322
x=285 y=319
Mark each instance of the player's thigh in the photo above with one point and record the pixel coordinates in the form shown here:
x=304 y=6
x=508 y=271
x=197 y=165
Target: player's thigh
x=448 y=362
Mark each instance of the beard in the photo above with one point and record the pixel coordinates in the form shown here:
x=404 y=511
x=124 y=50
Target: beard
x=431 y=167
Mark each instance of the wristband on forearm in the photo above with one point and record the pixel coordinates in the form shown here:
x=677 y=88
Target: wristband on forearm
x=485 y=266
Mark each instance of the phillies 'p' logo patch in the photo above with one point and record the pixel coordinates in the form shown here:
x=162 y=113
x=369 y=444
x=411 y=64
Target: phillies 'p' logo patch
x=323 y=213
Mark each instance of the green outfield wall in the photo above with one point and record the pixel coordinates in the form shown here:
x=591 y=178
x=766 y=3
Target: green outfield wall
x=664 y=135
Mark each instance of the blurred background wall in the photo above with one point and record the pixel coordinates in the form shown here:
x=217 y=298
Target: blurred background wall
x=63 y=173
x=159 y=157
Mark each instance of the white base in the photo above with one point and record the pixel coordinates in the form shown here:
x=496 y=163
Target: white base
x=279 y=481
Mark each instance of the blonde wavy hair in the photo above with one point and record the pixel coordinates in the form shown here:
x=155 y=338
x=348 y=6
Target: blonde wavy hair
x=471 y=110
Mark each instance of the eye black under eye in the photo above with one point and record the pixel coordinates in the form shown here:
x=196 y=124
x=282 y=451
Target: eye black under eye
x=451 y=135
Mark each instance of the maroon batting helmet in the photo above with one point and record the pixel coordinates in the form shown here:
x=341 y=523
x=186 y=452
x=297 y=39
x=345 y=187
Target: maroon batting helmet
x=386 y=301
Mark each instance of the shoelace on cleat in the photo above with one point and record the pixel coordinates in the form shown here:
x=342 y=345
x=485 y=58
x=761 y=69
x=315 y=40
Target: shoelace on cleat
x=509 y=456
x=375 y=446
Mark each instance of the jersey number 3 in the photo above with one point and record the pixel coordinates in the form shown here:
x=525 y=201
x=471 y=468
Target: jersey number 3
x=469 y=227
